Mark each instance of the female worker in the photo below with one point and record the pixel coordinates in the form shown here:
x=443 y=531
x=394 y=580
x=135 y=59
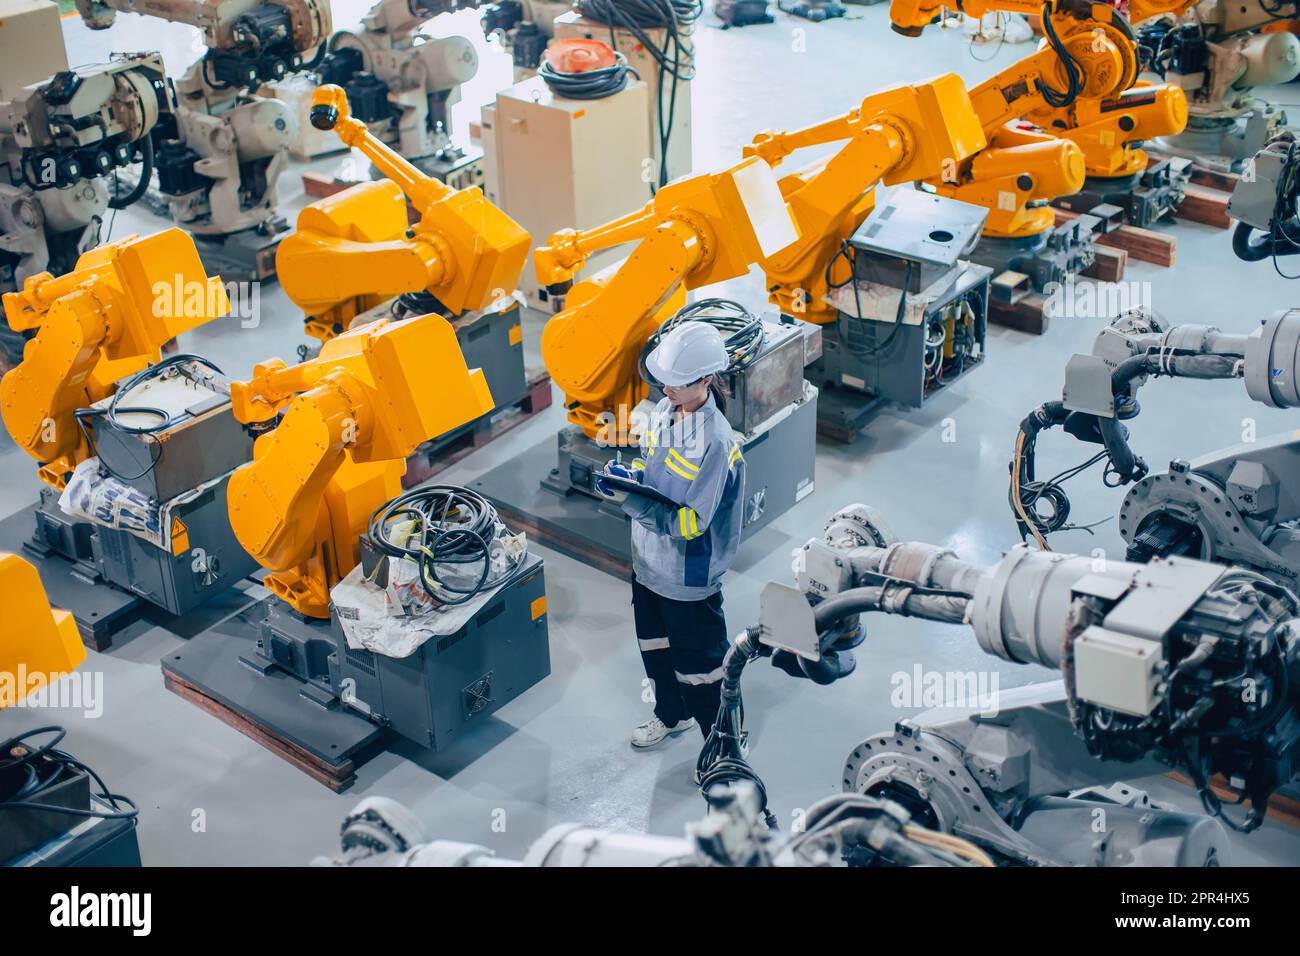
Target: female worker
x=681 y=550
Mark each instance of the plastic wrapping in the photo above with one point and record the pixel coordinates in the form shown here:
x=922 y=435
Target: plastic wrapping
x=396 y=620
x=103 y=500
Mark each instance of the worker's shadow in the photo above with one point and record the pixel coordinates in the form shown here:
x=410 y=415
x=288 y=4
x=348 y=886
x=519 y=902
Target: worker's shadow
x=486 y=733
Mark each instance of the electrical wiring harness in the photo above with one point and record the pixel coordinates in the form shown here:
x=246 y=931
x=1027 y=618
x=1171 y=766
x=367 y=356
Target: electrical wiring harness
x=674 y=55
x=27 y=772
x=449 y=533
x=741 y=331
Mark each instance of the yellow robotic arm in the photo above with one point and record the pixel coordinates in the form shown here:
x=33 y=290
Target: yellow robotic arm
x=1081 y=84
x=355 y=249
x=696 y=231
x=1015 y=178
x=106 y=319
x=351 y=416
x=897 y=135
x=35 y=640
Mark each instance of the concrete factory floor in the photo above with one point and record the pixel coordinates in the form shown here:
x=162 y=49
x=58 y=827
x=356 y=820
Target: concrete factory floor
x=560 y=752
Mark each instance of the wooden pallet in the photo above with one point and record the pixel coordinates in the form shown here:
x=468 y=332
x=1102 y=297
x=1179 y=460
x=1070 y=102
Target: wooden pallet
x=338 y=777
x=433 y=457
x=1144 y=245
x=1029 y=313
x=1211 y=178
x=558 y=538
x=1026 y=314
x=842 y=415
x=1108 y=266
x=319 y=185
x=1207 y=206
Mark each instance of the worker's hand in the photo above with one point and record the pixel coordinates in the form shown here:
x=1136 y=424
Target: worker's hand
x=619 y=470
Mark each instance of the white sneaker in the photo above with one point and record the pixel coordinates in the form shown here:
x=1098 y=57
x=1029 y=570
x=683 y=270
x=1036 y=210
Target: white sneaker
x=654 y=732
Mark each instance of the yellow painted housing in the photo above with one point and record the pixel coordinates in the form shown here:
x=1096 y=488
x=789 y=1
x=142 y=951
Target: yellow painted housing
x=897 y=135
x=351 y=416
x=1015 y=178
x=697 y=231
x=37 y=644
x=106 y=319
x=1106 y=120
x=352 y=251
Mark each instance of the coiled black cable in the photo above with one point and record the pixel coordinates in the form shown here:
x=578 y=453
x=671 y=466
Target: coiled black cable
x=417 y=303
x=849 y=254
x=674 y=56
x=449 y=527
x=150 y=432
x=28 y=771
x=588 y=85
x=1282 y=238
x=1073 y=78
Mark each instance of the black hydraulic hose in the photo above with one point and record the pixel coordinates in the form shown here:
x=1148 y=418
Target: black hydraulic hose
x=1250 y=249
x=1127 y=465
x=1059 y=99
x=309 y=66
x=146 y=173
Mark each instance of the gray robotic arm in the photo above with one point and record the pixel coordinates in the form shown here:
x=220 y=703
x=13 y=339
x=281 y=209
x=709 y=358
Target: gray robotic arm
x=401 y=82
x=1266 y=202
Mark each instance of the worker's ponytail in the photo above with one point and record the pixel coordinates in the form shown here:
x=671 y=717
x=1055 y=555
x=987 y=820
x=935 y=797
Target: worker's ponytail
x=719 y=394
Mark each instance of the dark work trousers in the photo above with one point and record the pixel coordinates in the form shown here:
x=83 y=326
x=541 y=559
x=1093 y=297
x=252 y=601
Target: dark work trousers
x=682 y=645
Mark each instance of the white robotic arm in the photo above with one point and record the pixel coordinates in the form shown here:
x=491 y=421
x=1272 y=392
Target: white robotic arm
x=1177 y=662
x=1235 y=506
x=400 y=82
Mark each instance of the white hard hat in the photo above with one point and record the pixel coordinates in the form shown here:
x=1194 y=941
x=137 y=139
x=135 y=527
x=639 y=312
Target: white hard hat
x=686 y=354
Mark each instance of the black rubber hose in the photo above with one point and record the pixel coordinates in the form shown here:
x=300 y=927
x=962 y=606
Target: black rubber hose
x=1266 y=246
x=146 y=174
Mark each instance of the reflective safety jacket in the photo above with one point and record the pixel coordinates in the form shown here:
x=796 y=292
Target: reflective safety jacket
x=682 y=552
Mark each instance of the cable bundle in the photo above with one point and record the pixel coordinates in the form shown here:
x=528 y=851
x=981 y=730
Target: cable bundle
x=149 y=432
x=722 y=762
x=850 y=255
x=1073 y=78
x=1282 y=238
x=26 y=772
x=741 y=330
x=675 y=57
x=447 y=531
x=589 y=84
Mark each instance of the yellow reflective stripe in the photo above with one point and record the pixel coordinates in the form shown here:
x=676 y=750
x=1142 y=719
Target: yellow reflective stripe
x=681 y=520
x=735 y=455
x=695 y=528
x=673 y=454
x=673 y=467
x=688 y=522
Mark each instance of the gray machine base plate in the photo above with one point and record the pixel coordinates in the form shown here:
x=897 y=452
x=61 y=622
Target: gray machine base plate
x=842 y=413
x=272 y=701
x=99 y=609
x=573 y=524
